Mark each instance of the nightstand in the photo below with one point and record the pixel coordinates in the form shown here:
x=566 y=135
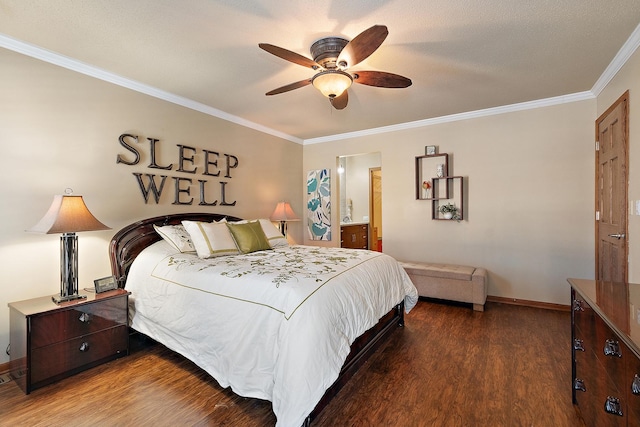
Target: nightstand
x=50 y=341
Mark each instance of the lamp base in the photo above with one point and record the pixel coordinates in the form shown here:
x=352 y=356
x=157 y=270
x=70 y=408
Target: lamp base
x=60 y=299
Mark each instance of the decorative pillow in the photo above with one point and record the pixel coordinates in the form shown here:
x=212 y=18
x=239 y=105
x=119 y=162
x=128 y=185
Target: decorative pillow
x=249 y=237
x=276 y=240
x=176 y=236
x=211 y=239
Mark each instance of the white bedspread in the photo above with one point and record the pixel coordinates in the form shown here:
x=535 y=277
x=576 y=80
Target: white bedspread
x=274 y=325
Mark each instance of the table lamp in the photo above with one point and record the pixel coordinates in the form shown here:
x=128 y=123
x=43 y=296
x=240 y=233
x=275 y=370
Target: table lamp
x=67 y=215
x=283 y=213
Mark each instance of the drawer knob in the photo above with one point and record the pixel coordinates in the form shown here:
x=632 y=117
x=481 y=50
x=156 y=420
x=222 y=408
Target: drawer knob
x=635 y=385
x=578 y=384
x=577 y=305
x=612 y=406
x=84 y=346
x=85 y=318
x=612 y=348
x=578 y=344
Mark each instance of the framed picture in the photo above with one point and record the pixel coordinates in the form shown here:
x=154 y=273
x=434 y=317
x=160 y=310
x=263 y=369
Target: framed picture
x=430 y=150
x=105 y=284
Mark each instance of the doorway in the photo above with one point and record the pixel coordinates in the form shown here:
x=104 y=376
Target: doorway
x=356 y=196
x=612 y=133
x=375 y=191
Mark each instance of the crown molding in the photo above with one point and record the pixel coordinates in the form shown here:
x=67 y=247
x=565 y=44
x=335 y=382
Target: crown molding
x=623 y=55
x=529 y=105
x=621 y=58
x=98 y=73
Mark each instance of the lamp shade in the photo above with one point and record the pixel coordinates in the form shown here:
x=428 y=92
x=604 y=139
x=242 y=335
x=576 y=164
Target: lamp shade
x=332 y=82
x=283 y=212
x=68 y=214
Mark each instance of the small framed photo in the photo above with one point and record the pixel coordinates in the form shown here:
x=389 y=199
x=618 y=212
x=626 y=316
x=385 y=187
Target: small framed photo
x=430 y=150
x=105 y=284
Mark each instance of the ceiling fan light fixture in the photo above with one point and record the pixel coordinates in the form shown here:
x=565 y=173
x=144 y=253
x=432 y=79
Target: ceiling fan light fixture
x=332 y=83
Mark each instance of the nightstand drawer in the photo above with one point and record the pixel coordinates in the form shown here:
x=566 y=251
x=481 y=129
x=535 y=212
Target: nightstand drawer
x=80 y=320
x=77 y=354
x=52 y=341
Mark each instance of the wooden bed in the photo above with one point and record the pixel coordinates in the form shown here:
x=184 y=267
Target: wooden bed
x=127 y=244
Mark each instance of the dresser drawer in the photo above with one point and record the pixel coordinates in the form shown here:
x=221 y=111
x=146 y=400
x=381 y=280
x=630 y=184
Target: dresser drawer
x=75 y=354
x=597 y=388
x=585 y=338
x=631 y=384
x=50 y=328
x=611 y=352
x=584 y=318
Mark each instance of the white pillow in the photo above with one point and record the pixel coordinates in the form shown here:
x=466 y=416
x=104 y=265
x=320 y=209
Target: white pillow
x=276 y=240
x=176 y=236
x=211 y=239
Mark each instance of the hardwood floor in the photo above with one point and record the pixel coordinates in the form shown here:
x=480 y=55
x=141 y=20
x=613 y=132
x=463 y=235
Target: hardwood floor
x=449 y=366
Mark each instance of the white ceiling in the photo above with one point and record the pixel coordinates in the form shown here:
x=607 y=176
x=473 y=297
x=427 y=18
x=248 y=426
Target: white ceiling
x=462 y=55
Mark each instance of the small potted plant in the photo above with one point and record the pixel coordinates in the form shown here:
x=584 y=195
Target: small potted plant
x=450 y=211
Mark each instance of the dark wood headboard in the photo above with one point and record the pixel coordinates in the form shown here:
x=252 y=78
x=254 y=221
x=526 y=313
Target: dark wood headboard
x=132 y=239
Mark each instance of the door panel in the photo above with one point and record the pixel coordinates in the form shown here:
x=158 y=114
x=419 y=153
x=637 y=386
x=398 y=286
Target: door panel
x=375 y=180
x=611 y=192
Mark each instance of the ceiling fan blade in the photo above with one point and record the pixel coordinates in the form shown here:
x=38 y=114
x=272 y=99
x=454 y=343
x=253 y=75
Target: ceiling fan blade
x=288 y=55
x=363 y=45
x=381 y=79
x=290 y=86
x=339 y=102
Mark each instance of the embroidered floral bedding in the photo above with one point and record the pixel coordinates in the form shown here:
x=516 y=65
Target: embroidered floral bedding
x=274 y=324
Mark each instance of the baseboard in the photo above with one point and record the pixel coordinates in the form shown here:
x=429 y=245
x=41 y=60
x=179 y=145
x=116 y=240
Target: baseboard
x=528 y=303
x=4 y=368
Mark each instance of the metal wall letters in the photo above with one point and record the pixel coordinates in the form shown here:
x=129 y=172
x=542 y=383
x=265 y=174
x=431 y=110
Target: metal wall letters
x=153 y=185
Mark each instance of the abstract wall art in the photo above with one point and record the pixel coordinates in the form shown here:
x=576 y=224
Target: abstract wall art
x=319 y=204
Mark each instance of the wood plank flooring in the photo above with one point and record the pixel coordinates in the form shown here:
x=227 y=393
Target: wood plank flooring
x=449 y=366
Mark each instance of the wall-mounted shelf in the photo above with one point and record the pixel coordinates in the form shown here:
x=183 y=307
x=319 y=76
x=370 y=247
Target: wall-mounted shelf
x=434 y=169
x=455 y=185
x=427 y=170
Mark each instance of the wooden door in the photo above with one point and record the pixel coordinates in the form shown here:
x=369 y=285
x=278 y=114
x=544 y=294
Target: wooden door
x=375 y=197
x=612 y=135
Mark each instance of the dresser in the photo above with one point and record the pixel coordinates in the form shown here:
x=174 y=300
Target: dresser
x=354 y=236
x=605 y=333
x=52 y=341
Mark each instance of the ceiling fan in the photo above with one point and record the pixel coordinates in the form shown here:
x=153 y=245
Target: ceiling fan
x=333 y=56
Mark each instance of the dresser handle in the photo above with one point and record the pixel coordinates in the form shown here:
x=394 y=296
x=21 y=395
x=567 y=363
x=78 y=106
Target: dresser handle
x=578 y=344
x=578 y=384
x=612 y=406
x=635 y=385
x=577 y=305
x=84 y=346
x=85 y=318
x=612 y=348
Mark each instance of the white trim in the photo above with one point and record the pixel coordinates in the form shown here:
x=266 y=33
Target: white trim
x=89 y=70
x=621 y=58
x=564 y=99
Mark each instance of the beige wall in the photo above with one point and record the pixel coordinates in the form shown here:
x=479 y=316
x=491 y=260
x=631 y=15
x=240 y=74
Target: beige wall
x=60 y=129
x=530 y=196
x=627 y=79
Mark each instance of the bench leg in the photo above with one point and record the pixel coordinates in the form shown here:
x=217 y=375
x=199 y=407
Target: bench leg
x=478 y=307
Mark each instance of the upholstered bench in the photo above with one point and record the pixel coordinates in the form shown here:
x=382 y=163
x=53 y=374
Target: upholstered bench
x=449 y=282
